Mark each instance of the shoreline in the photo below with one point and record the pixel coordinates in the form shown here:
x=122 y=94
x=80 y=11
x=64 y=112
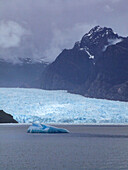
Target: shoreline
x=70 y=124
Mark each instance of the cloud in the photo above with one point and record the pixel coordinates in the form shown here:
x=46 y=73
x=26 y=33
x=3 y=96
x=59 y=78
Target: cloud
x=108 y=8
x=112 y=42
x=11 y=34
x=15 y=42
x=64 y=39
x=115 y=1
x=72 y=19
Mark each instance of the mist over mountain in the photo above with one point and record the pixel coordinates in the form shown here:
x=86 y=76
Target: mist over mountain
x=16 y=43
x=39 y=31
x=97 y=66
x=42 y=29
x=24 y=74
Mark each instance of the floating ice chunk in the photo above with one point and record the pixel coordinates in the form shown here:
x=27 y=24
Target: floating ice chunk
x=41 y=128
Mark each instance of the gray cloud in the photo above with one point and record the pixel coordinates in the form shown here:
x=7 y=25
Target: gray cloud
x=11 y=34
x=56 y=24
x=108 y=8
x=64 y=39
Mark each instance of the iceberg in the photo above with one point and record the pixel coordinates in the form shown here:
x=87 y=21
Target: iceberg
x=41 y=128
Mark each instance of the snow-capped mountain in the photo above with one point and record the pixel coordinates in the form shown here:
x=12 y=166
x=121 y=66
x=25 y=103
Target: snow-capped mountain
x=97 y=66
x=97 y=40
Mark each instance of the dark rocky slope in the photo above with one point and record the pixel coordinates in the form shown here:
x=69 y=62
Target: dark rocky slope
x=97 y=66
x=6 y=118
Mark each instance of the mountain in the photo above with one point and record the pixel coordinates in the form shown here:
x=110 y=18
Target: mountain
x=97 y=66
x=23 y=74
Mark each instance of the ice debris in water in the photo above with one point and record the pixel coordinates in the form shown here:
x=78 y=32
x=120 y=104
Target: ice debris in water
x=41 y=128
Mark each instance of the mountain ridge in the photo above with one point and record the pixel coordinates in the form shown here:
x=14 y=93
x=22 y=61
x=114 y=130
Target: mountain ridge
x=23 y=74
x=97 y=66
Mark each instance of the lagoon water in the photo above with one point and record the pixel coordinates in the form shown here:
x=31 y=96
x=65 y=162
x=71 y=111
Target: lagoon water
x=36 y=105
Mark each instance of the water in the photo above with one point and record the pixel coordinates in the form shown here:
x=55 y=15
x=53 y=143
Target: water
x=36 y=105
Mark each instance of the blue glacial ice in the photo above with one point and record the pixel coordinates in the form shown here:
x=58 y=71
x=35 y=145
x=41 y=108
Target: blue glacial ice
x=42 y=106
x=41 y=128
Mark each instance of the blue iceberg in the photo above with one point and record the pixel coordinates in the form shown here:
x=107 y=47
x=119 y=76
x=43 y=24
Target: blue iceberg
x=41 y=128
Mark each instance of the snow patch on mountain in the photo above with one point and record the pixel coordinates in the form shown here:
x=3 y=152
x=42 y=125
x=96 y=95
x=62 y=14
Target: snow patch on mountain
x=93 y=30
x=99 y=32
x=90 y=56
x=87 y=51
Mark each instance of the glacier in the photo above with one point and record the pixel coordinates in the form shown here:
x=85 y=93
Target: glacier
x=41 y=128
x=43 y=106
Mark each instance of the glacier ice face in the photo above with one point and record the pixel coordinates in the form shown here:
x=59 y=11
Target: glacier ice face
x=42 y=106
x=41 y=128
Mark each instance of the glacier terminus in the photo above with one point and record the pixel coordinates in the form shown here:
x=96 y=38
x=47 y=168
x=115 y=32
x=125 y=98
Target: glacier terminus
x=58 y=106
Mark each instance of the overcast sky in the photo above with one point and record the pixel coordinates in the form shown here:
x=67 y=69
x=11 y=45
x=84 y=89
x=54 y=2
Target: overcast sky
x=43 y=28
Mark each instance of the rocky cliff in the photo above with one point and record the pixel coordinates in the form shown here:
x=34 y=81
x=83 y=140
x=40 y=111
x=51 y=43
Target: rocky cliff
x=97 y=66
x=6 y=118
